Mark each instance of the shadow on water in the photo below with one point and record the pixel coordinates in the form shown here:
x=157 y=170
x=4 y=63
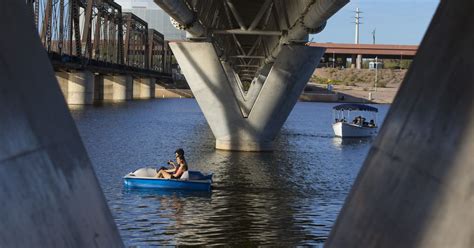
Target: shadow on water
x=289 y=197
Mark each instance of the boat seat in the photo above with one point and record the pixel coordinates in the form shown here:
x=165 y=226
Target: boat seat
x=145 y=172
x=184 y=176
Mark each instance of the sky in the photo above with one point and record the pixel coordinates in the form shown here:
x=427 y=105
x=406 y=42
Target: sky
x=401 y=22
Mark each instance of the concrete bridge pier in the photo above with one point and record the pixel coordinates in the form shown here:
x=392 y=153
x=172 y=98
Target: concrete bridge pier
x=416 y=187
x=143 y=88
x=50 y=194
x=118 y=87
x=233 y=127
x=77 y=87
x=359 y=61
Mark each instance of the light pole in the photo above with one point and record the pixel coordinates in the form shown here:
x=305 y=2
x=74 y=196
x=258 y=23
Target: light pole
x=356 y=38
x=333 y=59
x=373 y=36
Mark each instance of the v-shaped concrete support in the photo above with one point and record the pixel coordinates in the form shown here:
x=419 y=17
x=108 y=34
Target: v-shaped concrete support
x=238 y=121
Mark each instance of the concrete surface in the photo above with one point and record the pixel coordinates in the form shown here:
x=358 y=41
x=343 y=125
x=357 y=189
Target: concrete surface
x=416 y=187
x=81 y=88
x=118 y=88
x=77 y=87
x=217 y=99
x=50 y=195
x=142 y=88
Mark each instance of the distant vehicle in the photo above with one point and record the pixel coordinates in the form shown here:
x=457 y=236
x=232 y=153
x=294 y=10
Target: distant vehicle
x=146 y=178
x=345 y=127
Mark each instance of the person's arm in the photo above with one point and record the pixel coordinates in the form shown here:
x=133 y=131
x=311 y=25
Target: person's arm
x=172 y=169
x=179 y=171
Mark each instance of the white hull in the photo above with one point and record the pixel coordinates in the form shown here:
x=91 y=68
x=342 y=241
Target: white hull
x=344 y=129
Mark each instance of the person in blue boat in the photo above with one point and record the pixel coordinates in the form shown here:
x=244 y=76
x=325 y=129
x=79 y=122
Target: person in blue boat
x=180 y=170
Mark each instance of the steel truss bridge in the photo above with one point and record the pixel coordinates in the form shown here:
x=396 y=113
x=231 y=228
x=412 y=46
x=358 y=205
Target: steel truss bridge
x=96 y=35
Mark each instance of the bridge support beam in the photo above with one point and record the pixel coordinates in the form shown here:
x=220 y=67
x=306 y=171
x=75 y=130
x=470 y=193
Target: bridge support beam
x=416 y=187
x=50 y=194
x=143 y=88
x=118 y=88
x=231 y=127
x=77 y=87
x=359 y=61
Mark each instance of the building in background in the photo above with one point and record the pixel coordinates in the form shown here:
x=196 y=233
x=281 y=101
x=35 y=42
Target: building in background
x=159 y=20
x=156 y=18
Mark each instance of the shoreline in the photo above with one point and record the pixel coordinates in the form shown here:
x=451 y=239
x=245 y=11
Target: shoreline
x=347 y=94
x=316 y=93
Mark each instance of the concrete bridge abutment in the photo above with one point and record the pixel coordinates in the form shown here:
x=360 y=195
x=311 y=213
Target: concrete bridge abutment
x=51 y=196
x=236 y=124
x=416 y=187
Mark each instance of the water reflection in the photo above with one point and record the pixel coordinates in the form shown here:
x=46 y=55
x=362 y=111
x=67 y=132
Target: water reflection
x=340 y=143
x=289 y=197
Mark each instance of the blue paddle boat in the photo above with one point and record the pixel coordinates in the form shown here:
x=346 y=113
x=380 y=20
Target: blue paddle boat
x=146 y=178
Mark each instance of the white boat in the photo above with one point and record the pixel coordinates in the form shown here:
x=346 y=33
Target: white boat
x=358 y=127
x=344 y=129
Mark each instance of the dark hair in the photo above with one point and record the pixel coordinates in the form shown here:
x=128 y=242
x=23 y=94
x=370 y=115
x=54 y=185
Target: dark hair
x=180 y=152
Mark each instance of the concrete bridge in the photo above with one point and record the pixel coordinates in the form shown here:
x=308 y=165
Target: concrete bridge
x=415 y=188
x=100 y=53
x=260 y=44
x=381 y=51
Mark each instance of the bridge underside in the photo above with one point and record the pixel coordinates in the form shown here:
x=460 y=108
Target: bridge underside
x=239 y=120
x=248 y=34
x=250 y=58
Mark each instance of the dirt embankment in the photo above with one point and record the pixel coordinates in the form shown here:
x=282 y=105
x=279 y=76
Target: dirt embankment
x=352 y=85
x=362 y=77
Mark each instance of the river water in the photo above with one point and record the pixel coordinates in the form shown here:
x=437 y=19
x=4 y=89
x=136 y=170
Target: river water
x=289 y=197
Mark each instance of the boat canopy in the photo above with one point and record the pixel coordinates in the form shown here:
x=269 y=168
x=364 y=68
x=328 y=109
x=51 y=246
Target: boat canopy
x=355 y=107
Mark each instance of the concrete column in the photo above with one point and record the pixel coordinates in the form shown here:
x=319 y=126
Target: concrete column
x=77 y=87
x=136 y=88
x=257 y=85
x=359 y=62
x=145 y=88
x=416 y=187
x=118 y=87
x=50 y=194
x=236 y=85
x=63 y=81
x=142 y=88
x=223 y=111
x=81 y=88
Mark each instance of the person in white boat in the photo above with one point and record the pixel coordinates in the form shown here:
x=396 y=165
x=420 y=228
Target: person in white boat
x=358 y=120
x=371 y=123
x=180 y=170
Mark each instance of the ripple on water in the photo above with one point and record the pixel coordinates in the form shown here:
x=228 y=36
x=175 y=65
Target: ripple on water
x=289 y=197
